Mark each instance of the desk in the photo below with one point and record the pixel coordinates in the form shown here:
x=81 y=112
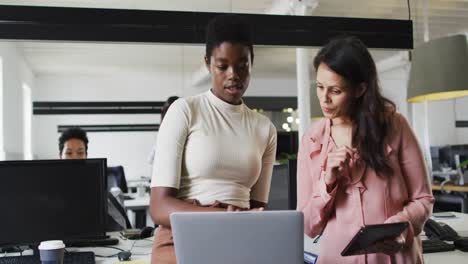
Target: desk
x=460 y=224
x=137 y=210
x=141 y=250
x=455 y=188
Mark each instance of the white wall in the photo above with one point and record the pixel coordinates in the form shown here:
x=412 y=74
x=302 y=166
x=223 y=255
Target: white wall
x=130 y=149
x=394 y=85
x=441 y=121
x=461 y=114
x=15 y=73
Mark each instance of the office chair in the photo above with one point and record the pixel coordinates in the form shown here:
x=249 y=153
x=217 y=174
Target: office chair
x=451 y=202
x=116 y=178
x=112 y=224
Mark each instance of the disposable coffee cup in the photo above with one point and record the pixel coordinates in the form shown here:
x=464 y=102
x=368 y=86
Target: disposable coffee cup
x=51 y=252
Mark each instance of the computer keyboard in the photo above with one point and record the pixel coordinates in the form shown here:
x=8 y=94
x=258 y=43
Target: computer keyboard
x=83 y=242
x=309 y=258
x=69 y=258
x=434 y=245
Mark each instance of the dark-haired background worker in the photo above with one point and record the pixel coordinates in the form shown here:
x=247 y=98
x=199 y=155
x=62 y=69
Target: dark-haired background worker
x=212 y=149
x=361 y=164
x=73 y=144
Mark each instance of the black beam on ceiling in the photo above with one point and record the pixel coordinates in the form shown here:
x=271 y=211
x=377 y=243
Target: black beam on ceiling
x=113 y=128
x=122 y=25
x=461 y=123
x=87 y=108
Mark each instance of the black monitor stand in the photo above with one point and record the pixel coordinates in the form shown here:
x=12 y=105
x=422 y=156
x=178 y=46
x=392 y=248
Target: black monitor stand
x=91 y=242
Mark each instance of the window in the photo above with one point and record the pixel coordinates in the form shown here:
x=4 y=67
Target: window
x=2 y=151
x=27 y=119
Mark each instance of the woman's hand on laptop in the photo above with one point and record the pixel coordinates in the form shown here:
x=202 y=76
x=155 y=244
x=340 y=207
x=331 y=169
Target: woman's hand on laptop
x=232 y=208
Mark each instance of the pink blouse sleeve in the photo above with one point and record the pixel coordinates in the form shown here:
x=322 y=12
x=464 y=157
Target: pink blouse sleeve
x=413 y=168
x=312 y=196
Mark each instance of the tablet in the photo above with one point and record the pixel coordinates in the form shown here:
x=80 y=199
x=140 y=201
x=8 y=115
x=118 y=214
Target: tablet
x=369 y=234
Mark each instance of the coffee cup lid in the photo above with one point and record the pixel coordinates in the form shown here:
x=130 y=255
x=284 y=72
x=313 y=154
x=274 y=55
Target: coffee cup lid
x=51 y=244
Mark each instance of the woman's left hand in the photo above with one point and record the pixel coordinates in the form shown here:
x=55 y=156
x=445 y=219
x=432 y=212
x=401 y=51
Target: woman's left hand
x=390 y=246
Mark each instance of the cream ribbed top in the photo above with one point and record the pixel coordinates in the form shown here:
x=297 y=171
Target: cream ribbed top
x=211 y=150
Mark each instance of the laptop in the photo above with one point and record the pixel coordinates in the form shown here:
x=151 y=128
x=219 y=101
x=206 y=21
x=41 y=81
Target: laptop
x=273 y=237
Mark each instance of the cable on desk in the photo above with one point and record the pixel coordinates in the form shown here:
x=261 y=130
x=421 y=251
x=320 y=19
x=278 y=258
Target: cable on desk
x=140 y=254
x=109 y=256
x=114 y=255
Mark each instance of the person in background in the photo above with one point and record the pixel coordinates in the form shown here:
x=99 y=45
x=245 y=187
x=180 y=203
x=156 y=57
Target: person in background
x=166 y=105
x=73 y=144
x=361 y=164
x=238 y=144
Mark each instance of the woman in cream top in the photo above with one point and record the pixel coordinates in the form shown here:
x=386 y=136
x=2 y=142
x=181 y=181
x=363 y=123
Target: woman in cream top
x=214 y=153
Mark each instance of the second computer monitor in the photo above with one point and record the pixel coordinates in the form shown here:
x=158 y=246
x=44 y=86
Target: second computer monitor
x=283 y=187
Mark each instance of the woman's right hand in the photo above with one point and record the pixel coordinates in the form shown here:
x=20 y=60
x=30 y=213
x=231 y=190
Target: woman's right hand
x=233 y=208
x=337 y=162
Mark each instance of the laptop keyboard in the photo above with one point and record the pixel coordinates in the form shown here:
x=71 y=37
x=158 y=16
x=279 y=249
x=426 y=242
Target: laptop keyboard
x=69 y=258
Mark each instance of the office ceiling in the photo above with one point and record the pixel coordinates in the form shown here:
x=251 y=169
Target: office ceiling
x=443 y=18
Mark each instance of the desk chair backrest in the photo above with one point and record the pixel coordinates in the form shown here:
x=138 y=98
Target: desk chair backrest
x=117 y=218
x=116 y=178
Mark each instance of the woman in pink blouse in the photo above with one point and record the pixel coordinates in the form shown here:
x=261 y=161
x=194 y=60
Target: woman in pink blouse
x=361 y=164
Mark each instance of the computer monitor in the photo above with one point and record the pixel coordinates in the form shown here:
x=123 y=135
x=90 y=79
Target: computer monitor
x=283 y=187
x=452 y=155
x=52 y=199
x=287 y=143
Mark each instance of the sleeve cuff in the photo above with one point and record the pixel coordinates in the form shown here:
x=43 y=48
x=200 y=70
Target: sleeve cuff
x=326 y=196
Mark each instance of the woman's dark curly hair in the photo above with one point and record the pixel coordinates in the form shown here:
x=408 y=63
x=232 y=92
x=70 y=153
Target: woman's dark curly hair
x=70 y=133
x=228 y=28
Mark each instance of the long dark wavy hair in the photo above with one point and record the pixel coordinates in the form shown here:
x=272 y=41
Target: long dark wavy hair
x=349 y=57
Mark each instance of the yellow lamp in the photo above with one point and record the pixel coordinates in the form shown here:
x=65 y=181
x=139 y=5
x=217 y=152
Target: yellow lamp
x=439 y=70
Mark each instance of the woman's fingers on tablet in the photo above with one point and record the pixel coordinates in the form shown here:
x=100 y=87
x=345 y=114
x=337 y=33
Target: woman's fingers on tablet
x=389 y=246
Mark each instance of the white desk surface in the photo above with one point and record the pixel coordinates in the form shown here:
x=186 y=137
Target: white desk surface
x=139 y=202
x=459 y=223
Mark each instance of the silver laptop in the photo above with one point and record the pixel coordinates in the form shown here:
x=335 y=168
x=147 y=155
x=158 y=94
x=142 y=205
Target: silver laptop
x=273 y=237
